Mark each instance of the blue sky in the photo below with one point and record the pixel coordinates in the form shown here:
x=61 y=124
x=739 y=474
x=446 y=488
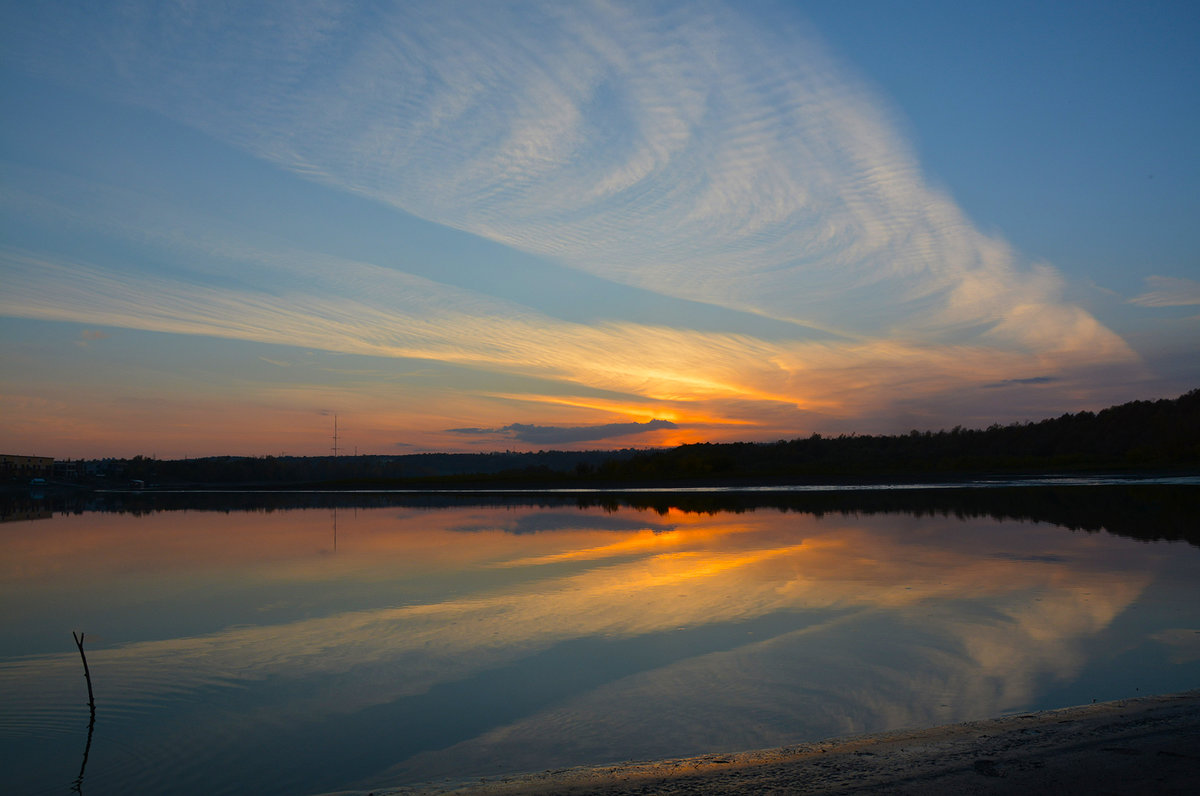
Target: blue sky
x=448 y=223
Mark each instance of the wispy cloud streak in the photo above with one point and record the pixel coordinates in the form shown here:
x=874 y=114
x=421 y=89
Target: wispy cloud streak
x=1167 y=291
x=683 y=149
x=689 y=150
x=406 y=316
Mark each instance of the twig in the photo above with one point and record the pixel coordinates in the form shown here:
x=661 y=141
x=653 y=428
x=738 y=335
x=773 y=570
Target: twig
x=87 y=675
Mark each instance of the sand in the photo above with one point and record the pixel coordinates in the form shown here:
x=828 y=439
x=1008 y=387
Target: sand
x=1148 y=745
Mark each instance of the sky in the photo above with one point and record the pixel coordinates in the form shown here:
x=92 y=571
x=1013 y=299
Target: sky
x=475 y=226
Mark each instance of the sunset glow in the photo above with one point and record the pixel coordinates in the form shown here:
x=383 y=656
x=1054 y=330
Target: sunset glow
x=624 y=224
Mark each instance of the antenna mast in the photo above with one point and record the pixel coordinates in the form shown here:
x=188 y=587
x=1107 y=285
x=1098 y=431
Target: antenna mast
x=335 y=437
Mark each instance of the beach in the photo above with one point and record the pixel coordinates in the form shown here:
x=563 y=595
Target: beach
x=1129 y=746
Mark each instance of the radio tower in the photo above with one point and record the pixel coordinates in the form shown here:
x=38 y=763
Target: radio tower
x=335 y=437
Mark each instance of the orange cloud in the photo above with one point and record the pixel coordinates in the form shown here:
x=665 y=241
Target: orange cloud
x=670 y=373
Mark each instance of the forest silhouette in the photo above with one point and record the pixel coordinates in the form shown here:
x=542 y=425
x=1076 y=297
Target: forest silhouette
x=1135 y=437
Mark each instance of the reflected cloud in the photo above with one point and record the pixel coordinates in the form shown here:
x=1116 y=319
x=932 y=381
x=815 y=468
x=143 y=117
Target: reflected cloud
x=837 y=677
x=986 y=629
x=1184 y=643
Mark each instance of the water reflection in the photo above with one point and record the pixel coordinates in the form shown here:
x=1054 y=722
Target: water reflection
x=471 y=639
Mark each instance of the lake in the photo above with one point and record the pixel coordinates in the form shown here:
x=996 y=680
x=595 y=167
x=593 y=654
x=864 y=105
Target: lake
x=305 y=643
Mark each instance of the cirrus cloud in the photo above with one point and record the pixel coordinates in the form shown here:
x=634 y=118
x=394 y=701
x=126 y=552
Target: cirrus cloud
x=1169 y=291
x=693 y=152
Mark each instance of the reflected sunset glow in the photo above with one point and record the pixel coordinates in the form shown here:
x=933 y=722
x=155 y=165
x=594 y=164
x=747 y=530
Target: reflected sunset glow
x=792 y=626
x=624 y=582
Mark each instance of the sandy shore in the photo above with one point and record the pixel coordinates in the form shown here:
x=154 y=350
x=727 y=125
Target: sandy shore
x=1132 y=746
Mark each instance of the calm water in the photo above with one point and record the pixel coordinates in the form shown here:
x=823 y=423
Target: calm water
x=274 y=649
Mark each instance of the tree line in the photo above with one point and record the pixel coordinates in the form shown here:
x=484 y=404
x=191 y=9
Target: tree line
x=1136 y=436
x=1139 y=436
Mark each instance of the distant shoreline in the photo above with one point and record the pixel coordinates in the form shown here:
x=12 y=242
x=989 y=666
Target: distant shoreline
x=1148 y=506
x=1139 y=437
x=1128 y=746
x=503 y=483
